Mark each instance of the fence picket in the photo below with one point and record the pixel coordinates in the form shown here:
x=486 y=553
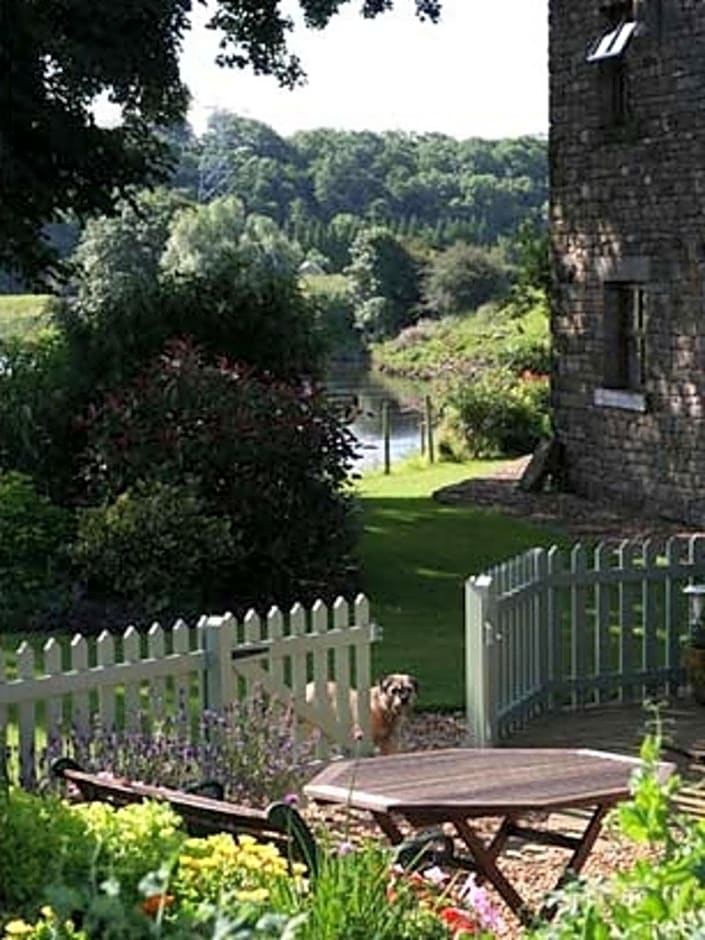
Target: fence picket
x=673 y=601
x=105 y=657
x=363 y=678
x=604 y=665
x=80 y=701
x=4 y=770
x=297 y=627
x=341 y=664
x=649 y=611
x=133 y=705
x=53 y=706
x=26 y=719
x=626 y=553
x=182 y=685
x=319 y=626
x=157 y=687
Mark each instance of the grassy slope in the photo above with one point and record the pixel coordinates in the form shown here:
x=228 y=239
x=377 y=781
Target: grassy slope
x=416 y=555
x=484 y=336
x=21 y=314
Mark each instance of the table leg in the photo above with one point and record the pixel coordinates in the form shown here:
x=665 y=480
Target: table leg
x=579 y=856
x=388 y=827
x=485 y=858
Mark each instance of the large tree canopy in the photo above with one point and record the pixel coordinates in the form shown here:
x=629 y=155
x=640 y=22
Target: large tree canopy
x=56 y=58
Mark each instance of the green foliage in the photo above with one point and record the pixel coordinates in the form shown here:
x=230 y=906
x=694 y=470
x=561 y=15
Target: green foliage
x=384 y=280
x=47 y=125
x=43 y=842
x=659 y=897
x=210 y=272
x=23 y=314
x=155 y=543
x=271 y=457
x=351 y=890
x=509 y=335
x=463 y=277
x=33 y=537
x=494 y=414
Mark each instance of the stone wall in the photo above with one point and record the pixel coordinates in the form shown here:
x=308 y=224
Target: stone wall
x=628 y=205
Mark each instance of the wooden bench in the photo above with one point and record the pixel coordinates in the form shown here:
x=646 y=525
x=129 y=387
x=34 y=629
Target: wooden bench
x=203 y=810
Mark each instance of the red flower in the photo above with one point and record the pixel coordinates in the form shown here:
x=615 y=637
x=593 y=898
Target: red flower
x=459 y=921
x=154 y=902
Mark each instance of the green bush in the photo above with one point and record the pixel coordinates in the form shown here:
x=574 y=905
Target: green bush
x=33 y=538
x=270 y=456
x=156 y=544
x=43 y=842
x=496 y=413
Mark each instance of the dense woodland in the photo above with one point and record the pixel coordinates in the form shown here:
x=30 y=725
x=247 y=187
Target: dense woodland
x=322 y=184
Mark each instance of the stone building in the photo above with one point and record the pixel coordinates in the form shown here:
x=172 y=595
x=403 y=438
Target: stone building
x=627 y=163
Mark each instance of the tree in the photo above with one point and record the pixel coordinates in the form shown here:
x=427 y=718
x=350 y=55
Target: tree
x=461 y=278
x=385 y=283
x=56 y=58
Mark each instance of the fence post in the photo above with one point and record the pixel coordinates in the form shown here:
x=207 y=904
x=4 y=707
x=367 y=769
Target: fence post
x=480 y=662
x=428 y=421
x=385 y=435
x=219 y=677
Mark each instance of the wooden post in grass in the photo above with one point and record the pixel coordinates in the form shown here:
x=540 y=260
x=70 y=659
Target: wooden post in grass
x=385 y=434
x=429 y=430
x=422 y=437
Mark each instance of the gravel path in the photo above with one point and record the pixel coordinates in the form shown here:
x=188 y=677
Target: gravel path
x=581 y=518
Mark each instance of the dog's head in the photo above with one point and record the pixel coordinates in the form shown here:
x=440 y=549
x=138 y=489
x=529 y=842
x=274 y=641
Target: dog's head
x=398 y=692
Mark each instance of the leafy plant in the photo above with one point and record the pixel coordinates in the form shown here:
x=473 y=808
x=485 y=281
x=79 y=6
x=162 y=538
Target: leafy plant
x=495 y=413
x=660 y=896
x=251 y=747
x=155 y=543
x=272 y=457
x=33 y=562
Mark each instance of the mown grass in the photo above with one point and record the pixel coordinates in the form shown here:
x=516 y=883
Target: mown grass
x=23 y=314
x=416 y=555
x=491 y=335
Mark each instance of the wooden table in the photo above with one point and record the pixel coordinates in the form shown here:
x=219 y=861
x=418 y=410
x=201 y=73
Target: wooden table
x=458 y=785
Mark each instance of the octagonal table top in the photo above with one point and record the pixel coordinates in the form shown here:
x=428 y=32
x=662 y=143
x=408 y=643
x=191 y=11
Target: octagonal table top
x=478 y=782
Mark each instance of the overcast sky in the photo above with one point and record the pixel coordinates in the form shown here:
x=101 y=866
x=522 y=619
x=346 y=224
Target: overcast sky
x=481 y=72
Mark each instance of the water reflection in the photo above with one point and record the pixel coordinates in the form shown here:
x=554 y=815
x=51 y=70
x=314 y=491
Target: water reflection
x=366 y=391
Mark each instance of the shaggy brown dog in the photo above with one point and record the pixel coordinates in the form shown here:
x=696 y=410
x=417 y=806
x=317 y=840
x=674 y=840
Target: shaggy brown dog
x=391 y=702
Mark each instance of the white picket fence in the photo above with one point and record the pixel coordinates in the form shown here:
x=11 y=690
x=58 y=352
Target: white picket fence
x=134 y=679
x=547 y=632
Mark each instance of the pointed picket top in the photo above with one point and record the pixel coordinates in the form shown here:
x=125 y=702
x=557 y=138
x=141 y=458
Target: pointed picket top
x=25 y=660
x=275 y=623
x=253 y=627
x=79 y=653
x=180 y=636
x=604 y=556
x=362 y=610
x=578 y=557
x=130 y=644
x=341 y=614
x=555 y=559
x=105 y=648
x=51 y=652
x=319 y=617
x=297 y=620
x=155 y=641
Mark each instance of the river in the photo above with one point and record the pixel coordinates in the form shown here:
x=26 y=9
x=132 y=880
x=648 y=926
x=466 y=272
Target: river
x=368 y=389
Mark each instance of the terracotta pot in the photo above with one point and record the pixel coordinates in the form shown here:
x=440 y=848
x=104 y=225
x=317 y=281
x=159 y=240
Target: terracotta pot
x=694 y=659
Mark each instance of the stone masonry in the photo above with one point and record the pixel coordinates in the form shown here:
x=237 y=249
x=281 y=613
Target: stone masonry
x=627 y=164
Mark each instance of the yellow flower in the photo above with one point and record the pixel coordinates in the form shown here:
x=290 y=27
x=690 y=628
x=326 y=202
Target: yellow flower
x=46 y=912
x=18 y=928
x=255 y=895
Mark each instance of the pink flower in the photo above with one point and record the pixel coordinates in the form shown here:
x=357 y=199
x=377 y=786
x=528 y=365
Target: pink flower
x=345 y=848
x=291 y=799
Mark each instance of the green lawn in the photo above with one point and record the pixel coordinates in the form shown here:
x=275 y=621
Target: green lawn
x=416 y=555
x=21 y=314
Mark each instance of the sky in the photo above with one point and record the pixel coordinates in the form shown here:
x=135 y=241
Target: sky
x=481 y=72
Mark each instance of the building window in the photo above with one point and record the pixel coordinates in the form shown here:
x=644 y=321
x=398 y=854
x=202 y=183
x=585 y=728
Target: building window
x=624 y=336
x=607 y=52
